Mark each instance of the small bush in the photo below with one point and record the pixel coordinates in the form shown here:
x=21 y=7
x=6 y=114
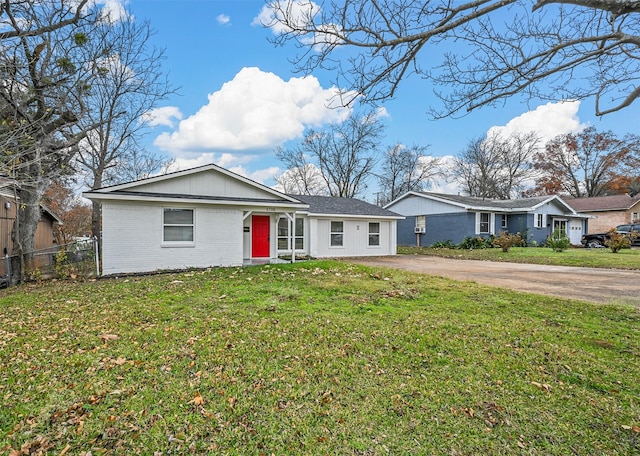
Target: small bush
x=558 y=241
x=443 y=245
x=477 y=242
x=618 y=241
x=507 y=240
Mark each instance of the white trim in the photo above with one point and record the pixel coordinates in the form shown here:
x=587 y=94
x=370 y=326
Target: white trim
x=191 y=243
x=492 y=222
x=257 y=205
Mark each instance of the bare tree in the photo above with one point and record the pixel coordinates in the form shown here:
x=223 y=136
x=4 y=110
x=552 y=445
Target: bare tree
x=406 y=169
x=305 y=179
x=44 y=69
x=51 y=64
x=579 y=48
x=344 y=153
x=496 y=167
x=590 y=163
x=128 y=82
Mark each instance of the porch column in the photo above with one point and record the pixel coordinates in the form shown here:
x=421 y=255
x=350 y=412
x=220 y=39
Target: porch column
x=293 y=237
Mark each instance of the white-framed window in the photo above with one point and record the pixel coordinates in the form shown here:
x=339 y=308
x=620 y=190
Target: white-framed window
x=503 y=220
x=337 y=234
x=539 y=220
x=284 y=225
x=178 y=226
x=634 y=217
x=421 y=222
x=484 y=223
x=374 y=234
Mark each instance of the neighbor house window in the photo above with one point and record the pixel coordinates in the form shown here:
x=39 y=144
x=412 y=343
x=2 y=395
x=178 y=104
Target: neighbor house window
x=177 y=225
x=539 y=220
x=503 y=220
x=634 y=217
x=337 y=231
x=284 y=224
x=374 y=233
x=483 y=223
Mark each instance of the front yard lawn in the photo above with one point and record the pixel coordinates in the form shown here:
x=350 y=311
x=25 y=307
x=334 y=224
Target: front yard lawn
x=317 y=357
x=575 y=256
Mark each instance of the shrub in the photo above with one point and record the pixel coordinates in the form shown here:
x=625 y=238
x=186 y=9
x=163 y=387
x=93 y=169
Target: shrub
x=618 y=241
x=558 y=241
x=443 y=245
x=507 y=240
x=477 y=242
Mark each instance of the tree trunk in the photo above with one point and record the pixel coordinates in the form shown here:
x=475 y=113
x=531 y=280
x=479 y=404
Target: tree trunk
x=27 y=219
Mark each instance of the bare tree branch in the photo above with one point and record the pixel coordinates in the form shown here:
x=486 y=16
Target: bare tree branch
x=551 y=49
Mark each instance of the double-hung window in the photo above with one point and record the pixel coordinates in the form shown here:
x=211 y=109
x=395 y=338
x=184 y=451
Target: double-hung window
x=503 y=221
x=284 y=225
x=337 y=234
x=374 y=234
x=539 y=220
x=483 y=223
x=178 y=226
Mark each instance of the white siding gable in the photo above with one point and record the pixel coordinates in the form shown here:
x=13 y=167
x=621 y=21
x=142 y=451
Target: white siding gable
x=419 y=205
x=206 y=183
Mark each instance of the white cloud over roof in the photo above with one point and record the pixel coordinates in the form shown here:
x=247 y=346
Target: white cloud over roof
x=255 y=110
x=549 y=121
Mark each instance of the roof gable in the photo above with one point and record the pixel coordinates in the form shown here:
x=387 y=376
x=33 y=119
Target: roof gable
x=201 y=183
x=485 y=204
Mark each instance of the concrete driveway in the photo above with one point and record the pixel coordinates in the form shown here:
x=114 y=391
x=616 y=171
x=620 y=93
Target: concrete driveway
x=605 y=286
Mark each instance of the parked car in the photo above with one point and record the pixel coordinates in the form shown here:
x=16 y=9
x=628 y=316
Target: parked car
x=596 y=240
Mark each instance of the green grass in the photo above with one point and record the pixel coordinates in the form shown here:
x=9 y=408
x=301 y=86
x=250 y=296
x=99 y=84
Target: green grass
x=594 y=258
x=313 y=358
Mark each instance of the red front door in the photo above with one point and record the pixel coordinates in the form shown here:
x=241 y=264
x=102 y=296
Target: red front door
x=260 y=225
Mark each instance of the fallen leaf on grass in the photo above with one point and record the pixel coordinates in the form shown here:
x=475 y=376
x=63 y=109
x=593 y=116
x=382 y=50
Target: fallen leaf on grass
x=197 y=400
x=542 y=386
x=107 y=337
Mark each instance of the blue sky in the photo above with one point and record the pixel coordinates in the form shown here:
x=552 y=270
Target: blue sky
x=239 y=97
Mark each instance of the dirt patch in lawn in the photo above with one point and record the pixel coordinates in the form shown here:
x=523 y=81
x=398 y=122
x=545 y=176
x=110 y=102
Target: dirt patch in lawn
x=606 y=286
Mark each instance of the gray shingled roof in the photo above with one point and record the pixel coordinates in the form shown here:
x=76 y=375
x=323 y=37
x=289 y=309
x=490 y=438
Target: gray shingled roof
x=603 y=203
x=343 y=206
x=473 y=201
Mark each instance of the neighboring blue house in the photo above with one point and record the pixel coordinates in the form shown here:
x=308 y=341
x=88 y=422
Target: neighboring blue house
x=433 y=217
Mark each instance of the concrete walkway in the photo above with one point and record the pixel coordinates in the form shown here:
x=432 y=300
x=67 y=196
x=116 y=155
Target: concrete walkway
x=605 y=286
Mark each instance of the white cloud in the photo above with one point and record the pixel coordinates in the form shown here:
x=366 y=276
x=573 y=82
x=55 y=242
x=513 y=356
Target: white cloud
x=301 y=13
x=549 y=121
x=227 y=161
x=114 y=10
x=163 y=116
x=261 y=175
x=223 y=19
x=255 y=110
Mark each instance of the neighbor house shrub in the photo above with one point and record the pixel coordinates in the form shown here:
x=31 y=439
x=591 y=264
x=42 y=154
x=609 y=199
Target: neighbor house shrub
x=558 y=241
x=443 y=245
x=506 y=240
x=475 y=242
x=618 y=241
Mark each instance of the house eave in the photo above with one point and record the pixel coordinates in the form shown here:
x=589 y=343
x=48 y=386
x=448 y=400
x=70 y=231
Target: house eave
x=356 y=216
x=190 y=199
